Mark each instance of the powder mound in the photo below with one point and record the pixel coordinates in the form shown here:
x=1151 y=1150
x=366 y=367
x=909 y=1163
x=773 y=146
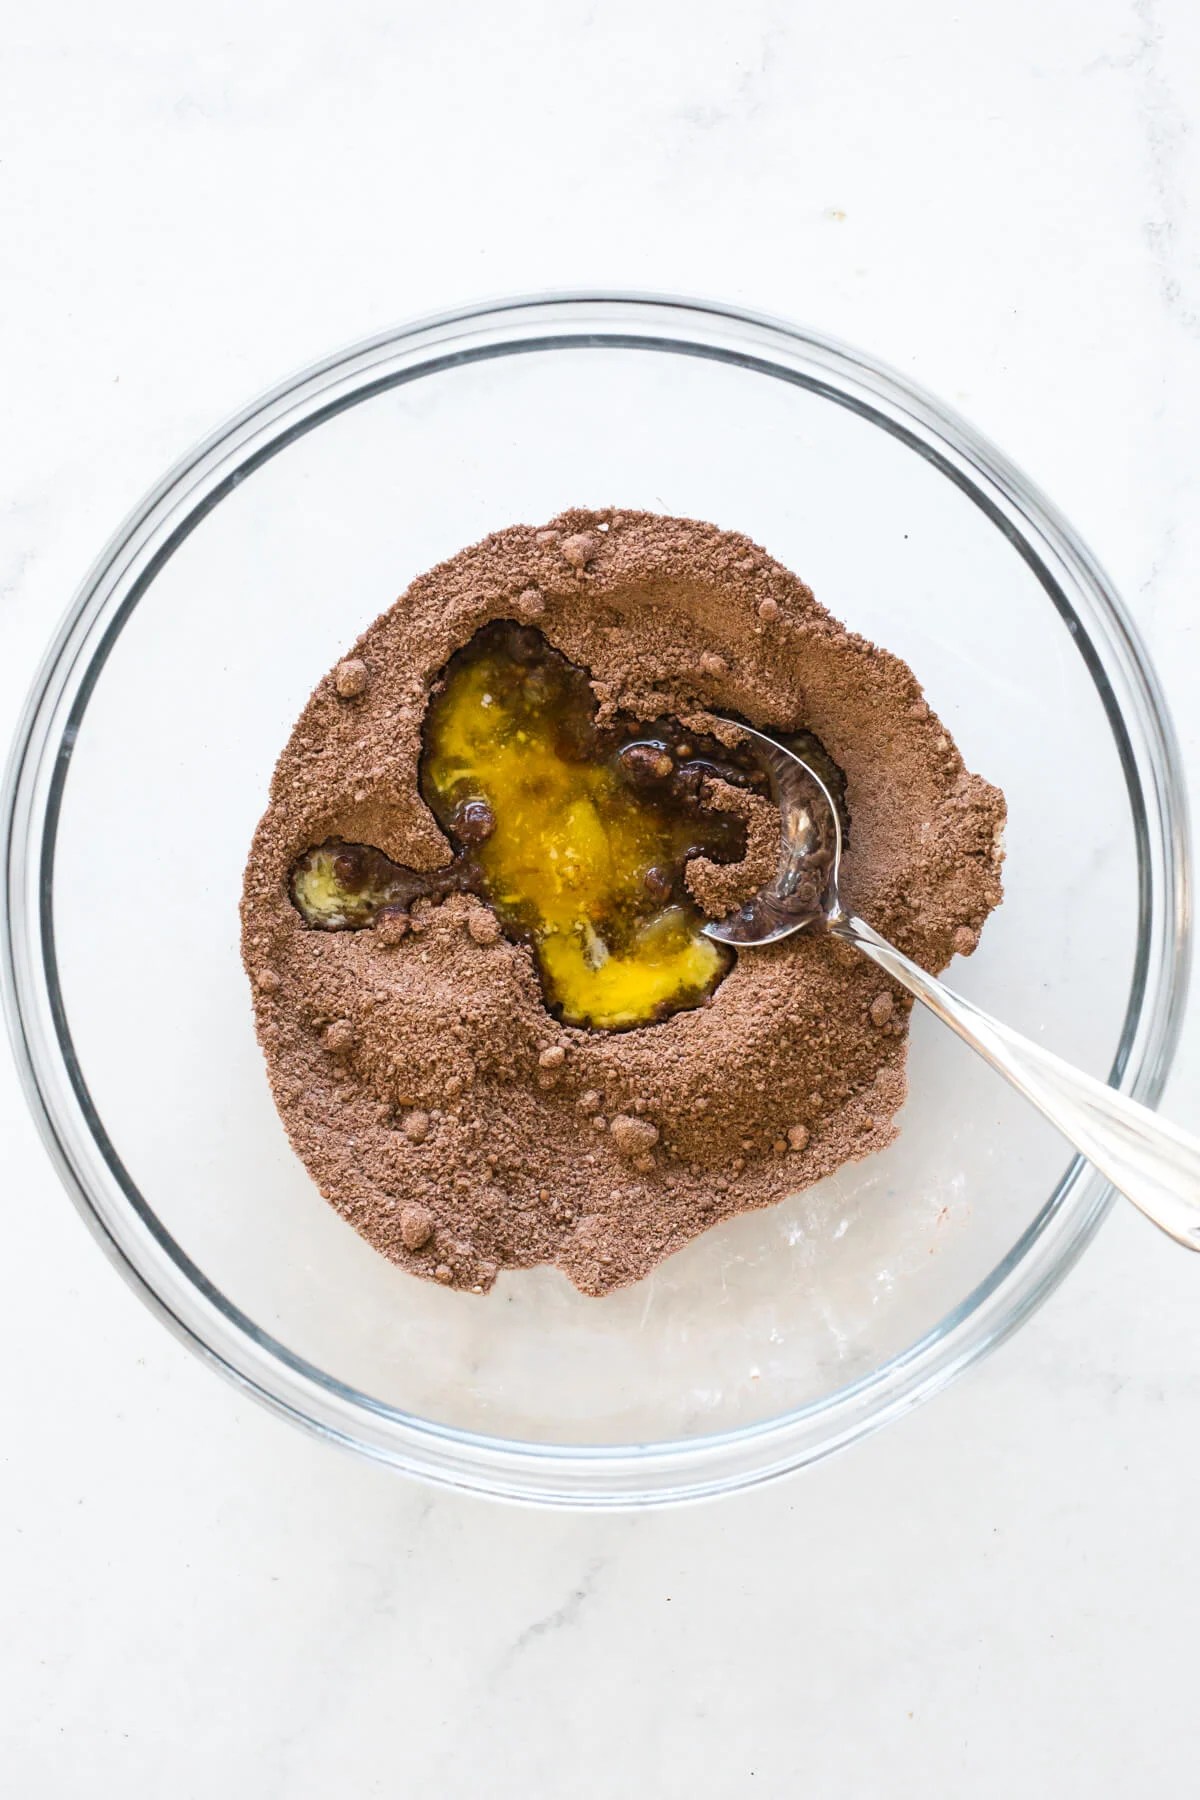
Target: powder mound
x=409 y=1062
x=719 y=888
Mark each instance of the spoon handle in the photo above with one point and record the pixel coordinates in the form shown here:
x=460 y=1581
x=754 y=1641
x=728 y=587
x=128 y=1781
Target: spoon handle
x=1152 y=1163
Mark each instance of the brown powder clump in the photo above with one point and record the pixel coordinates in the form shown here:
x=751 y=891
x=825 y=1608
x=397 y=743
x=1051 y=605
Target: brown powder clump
x=720 y=888
x=409 y=1063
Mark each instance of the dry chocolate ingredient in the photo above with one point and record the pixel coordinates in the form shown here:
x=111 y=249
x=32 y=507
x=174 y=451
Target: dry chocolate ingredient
x=434 y=1099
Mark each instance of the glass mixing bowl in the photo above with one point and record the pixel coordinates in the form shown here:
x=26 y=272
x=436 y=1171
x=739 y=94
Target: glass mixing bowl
x=142 y=765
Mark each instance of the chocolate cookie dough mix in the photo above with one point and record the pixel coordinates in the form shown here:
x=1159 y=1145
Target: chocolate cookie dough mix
x=421 y=1056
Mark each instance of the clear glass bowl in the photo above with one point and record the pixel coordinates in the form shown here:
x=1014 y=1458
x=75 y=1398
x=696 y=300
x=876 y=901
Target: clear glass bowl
x=142 y=765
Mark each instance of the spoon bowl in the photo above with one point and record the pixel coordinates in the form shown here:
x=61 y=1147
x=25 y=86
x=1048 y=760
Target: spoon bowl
x=803 y=891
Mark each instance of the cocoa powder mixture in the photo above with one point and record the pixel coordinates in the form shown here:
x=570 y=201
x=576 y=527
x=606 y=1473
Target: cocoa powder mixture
x=433 y=1098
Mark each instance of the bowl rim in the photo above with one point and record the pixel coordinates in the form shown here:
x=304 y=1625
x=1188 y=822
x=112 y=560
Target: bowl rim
x=88 y=1163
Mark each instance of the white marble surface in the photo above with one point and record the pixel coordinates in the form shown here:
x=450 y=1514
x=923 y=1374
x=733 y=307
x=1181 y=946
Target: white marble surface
x=998 y=1595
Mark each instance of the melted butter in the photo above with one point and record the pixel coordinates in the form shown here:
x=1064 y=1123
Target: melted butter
x=577 y=836
x=335 y=886
x=583 y=863
x=666 y=966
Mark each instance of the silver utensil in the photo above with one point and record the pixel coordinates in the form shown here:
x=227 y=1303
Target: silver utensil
x=1152 y=1163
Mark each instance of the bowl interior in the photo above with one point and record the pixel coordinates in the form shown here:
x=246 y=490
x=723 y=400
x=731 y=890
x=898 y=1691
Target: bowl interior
x=169 y=773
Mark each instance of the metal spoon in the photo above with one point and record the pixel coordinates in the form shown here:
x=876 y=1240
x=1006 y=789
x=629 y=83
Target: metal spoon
x=1154 y=1164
